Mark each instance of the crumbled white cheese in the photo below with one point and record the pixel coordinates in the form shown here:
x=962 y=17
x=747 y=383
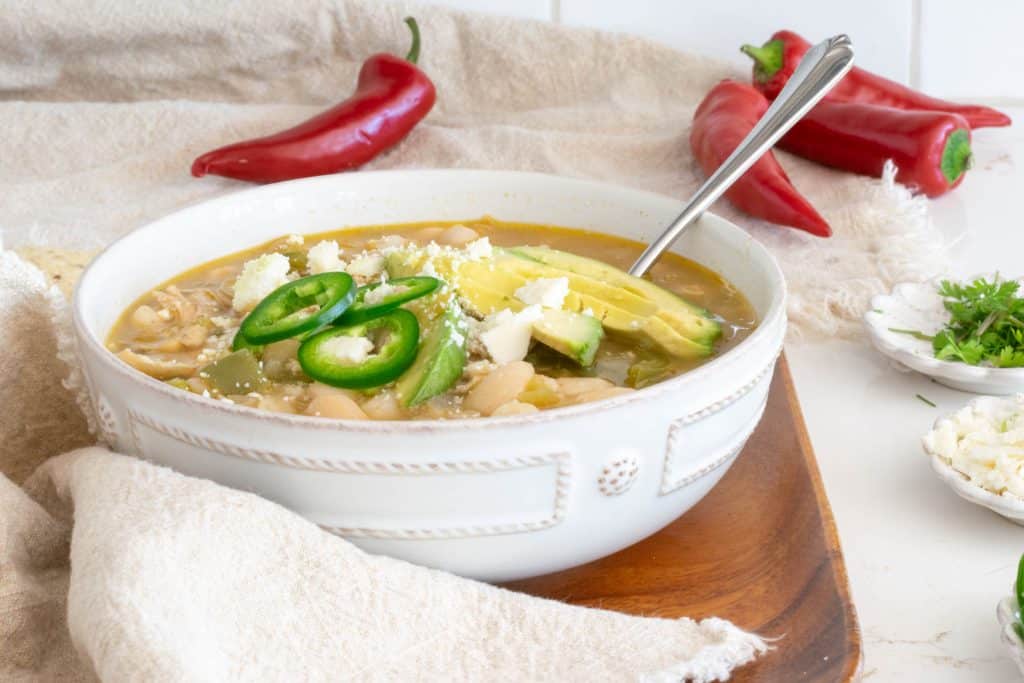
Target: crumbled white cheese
x=549 y=292
x=506 y=335
x=295 y=240
x=479 y=249
x=381 y=292
x=458 y=325
x=428 y=270
x=366 y=264
x=985 y=441
x=222 y=321
x=324 y=257
x=352 y=350
x=260 y=277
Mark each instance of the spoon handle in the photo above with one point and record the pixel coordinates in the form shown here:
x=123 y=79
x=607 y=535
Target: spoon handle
x=819 y=70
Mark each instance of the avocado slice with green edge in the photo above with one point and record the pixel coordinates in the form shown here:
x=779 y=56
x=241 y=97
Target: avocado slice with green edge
x=481 y=300
x=690 y=321
x=440 y=361
x=489 y=286
x=572 y=334
x=614 y=295
x=622 y=303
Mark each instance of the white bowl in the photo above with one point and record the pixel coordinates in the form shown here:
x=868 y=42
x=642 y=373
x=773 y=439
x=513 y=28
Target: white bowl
x=1006 y=613
x=918 y=306
x=494 y=498
x=1006 y=504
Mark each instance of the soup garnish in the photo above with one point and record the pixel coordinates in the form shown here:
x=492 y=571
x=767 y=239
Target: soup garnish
x=430 y=321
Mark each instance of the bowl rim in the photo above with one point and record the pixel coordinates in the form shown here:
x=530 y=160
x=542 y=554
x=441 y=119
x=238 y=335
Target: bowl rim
x=774 y=315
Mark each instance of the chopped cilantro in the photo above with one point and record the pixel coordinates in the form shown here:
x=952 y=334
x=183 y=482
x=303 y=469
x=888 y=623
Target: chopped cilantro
x=986 y=324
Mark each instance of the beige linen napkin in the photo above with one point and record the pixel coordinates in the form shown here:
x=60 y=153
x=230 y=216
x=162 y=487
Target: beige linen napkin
x=116 y=568
x=175 y=578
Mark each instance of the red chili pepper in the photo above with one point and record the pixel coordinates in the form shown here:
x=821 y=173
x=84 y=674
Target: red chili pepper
x=775 y=61
x=728 y=112
x=931 y=149
x=392 y=95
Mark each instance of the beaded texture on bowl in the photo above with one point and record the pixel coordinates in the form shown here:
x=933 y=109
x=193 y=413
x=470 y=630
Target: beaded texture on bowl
x=618 y=474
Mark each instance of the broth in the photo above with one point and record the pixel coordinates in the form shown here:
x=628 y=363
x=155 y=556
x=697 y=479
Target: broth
x=176 y=331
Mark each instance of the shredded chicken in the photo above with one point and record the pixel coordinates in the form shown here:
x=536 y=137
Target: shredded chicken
x=160 y=369
x=182 y=310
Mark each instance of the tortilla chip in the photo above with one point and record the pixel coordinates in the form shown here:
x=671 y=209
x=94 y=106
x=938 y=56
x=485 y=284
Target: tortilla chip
x=62 y=267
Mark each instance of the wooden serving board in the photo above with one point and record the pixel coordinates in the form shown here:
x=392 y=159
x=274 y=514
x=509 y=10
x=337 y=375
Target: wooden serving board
x=760 y=550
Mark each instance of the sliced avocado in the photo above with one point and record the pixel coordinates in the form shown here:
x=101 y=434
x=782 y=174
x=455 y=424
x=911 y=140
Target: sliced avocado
x=481 y=300
x=489 y=286
x=688 y=320
x=572 y=334
x=669 y=339
x=487 y=290
x=440 y=361
x=611 y=294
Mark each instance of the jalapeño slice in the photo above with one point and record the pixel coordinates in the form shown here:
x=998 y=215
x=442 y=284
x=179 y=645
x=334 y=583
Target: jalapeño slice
x=363 y=355
x=379 y=298
x=297 y=307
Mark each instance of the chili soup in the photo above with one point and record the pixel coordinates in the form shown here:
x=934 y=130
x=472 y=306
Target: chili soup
x=430 y=321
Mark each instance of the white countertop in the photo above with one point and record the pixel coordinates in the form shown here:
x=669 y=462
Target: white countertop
x=926 y=568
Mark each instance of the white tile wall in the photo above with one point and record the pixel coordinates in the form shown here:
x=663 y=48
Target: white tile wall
x=972 y=51
x=880 y=29
x=530 y=9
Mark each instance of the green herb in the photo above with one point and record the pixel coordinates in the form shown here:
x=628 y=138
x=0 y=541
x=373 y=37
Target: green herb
x=1019 y=591
x=986 y=324
x=916 y=334
x=924 y=400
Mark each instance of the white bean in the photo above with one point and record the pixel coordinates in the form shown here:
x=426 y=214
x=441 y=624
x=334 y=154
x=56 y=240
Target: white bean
x=514 y=408
x=458 y=235
x=318 y=389
x=337 y=406
x=276 y=404
x=384 y=406
x=502 y=385
x=573 y=386
x=427 y=235
x=598 y=394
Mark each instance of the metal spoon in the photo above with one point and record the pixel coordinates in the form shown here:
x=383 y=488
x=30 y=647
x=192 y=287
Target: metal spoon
x=819 y=70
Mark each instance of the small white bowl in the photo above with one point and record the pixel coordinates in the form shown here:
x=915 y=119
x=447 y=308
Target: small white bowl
x=1006 y=613
x=1007 y=505
x=492 y=498
x=918 y=306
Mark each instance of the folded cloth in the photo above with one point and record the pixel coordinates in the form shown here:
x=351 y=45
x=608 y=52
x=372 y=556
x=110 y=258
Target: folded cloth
x=175 y=578
x=111 y=567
